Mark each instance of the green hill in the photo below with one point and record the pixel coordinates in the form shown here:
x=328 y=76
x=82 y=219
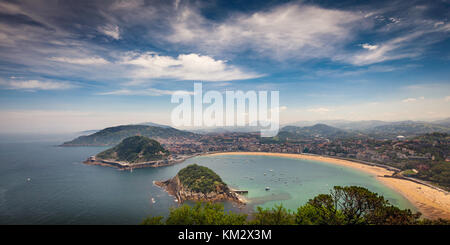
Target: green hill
x=135 y=149
x=318 y=130
x=114 y=135
x=407 y=128
x=200 y=179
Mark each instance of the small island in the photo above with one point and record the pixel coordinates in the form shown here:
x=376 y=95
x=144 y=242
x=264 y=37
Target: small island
x=134 y=152
x=199 y=183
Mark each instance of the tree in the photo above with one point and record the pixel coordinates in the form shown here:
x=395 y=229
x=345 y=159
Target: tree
x=353 y=205
x=200 y=214
x=275 y=216
x=319 y=211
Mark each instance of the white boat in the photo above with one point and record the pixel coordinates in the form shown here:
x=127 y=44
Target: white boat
x=267 y=188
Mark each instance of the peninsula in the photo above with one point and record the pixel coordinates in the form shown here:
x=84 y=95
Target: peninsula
x=135 y=152
x=199 y=183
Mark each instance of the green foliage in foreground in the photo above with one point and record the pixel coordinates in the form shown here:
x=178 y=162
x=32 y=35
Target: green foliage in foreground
x=200 y=214
x=350 y=205
x=200 y=178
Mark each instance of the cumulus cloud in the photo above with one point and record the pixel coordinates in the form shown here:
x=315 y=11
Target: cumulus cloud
x=32 y=85
x=184 y=67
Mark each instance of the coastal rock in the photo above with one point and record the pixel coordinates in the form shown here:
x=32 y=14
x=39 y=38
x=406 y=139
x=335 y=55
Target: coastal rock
x=182 y=192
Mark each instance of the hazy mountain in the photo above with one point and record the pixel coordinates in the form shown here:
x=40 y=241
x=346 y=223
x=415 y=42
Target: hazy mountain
x=318 y=130
x=208 y=130
x=343 y=124
x=113 y=135
x=407 y=128
x=383 y=128
x=445 y=122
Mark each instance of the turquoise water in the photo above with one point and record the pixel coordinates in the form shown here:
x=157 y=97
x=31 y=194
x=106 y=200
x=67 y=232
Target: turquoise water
x=63 y=190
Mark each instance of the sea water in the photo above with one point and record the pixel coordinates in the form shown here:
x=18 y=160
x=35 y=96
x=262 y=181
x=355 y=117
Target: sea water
x=41 y=183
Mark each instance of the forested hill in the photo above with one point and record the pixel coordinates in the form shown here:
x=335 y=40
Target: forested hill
x=135 y=149
x=114 y=135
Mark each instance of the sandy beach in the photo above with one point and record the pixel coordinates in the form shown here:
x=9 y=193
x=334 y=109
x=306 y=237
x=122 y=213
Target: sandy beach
x=432 y=203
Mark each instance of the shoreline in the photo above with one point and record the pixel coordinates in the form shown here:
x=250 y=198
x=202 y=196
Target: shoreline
x=433 y=203
x=130 y=166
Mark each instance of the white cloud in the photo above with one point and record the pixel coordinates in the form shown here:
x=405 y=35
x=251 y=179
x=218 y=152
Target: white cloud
x=302 y=31
x=81 y=61
x=319 y=110
x=184 y=67
x=405 y=46
x=10 y=8
x=290 y=30
x=32 y=85
x=409 y=100
x=383 y=52
x=111 y=31
x=127 y=4
x=147 y=92
x=369 y=47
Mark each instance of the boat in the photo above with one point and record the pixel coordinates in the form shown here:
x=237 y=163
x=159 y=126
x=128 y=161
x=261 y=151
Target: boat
x=267 y=188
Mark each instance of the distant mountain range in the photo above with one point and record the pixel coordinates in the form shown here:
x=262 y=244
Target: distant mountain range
x=374 y=128
x=318 y=130
x=331 y=129
x=444 y=122
x=408 y=128
x=244 y=129
x=114 y=135
x=342 y=124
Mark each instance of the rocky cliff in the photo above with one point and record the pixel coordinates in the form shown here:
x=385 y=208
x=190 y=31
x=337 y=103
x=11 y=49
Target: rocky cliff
x=182 y=192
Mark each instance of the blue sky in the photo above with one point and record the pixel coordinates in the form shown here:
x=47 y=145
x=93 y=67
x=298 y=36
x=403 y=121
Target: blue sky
x=77 y=65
